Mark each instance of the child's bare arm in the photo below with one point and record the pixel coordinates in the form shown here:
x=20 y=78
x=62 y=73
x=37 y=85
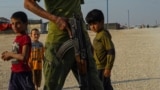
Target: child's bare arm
x=23 y=56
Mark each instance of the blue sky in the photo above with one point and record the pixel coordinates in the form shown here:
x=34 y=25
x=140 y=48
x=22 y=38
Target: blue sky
x=139 y=11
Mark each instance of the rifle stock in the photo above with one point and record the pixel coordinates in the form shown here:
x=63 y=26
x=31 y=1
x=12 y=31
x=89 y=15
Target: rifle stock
x=82 y=65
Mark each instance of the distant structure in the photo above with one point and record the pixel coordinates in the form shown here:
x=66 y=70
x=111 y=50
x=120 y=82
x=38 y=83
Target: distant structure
x=110 y=26
x=4 y=24
x=4 y=20
x=114 y=26
x=37 y=24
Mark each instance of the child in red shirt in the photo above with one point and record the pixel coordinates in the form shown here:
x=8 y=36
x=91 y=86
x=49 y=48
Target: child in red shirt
x=21 y=75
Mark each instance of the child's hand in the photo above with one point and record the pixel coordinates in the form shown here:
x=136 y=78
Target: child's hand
x=6 y=56
x=2 y=55
x=107 y=73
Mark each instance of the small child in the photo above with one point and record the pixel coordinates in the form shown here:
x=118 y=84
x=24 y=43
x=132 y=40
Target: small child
x=36 y=57
x=21 y=75
x=104 y=51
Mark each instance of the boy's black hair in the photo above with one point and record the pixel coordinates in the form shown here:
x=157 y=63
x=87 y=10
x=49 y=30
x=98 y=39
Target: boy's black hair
x=20 y=15
x=94 y=15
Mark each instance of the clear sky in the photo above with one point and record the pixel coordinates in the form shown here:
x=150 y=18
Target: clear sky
x=139 y=11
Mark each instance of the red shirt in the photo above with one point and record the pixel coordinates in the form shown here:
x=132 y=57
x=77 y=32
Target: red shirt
x=19 y=42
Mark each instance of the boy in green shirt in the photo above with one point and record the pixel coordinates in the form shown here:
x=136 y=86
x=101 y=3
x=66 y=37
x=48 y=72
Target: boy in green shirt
x=104 y=51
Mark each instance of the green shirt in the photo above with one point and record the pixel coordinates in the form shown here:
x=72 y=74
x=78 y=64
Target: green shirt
x=63 y=8
x=104 y=51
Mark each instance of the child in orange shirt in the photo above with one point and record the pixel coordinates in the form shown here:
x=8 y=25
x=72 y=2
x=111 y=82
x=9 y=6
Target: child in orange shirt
x=36 y=57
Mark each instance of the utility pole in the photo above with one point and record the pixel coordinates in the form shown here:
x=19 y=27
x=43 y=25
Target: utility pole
x=107 y=15
x=128 y=20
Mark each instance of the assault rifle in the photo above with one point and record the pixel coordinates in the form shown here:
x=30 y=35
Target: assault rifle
x=79 y=44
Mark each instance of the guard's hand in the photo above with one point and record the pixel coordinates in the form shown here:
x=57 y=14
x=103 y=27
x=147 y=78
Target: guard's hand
x=62 y=23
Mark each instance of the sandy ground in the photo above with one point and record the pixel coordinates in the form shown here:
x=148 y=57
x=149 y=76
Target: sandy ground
x=136 y=65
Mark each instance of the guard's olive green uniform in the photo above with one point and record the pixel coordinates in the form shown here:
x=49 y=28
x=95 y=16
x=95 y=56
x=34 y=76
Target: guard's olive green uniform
x=55 y=74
